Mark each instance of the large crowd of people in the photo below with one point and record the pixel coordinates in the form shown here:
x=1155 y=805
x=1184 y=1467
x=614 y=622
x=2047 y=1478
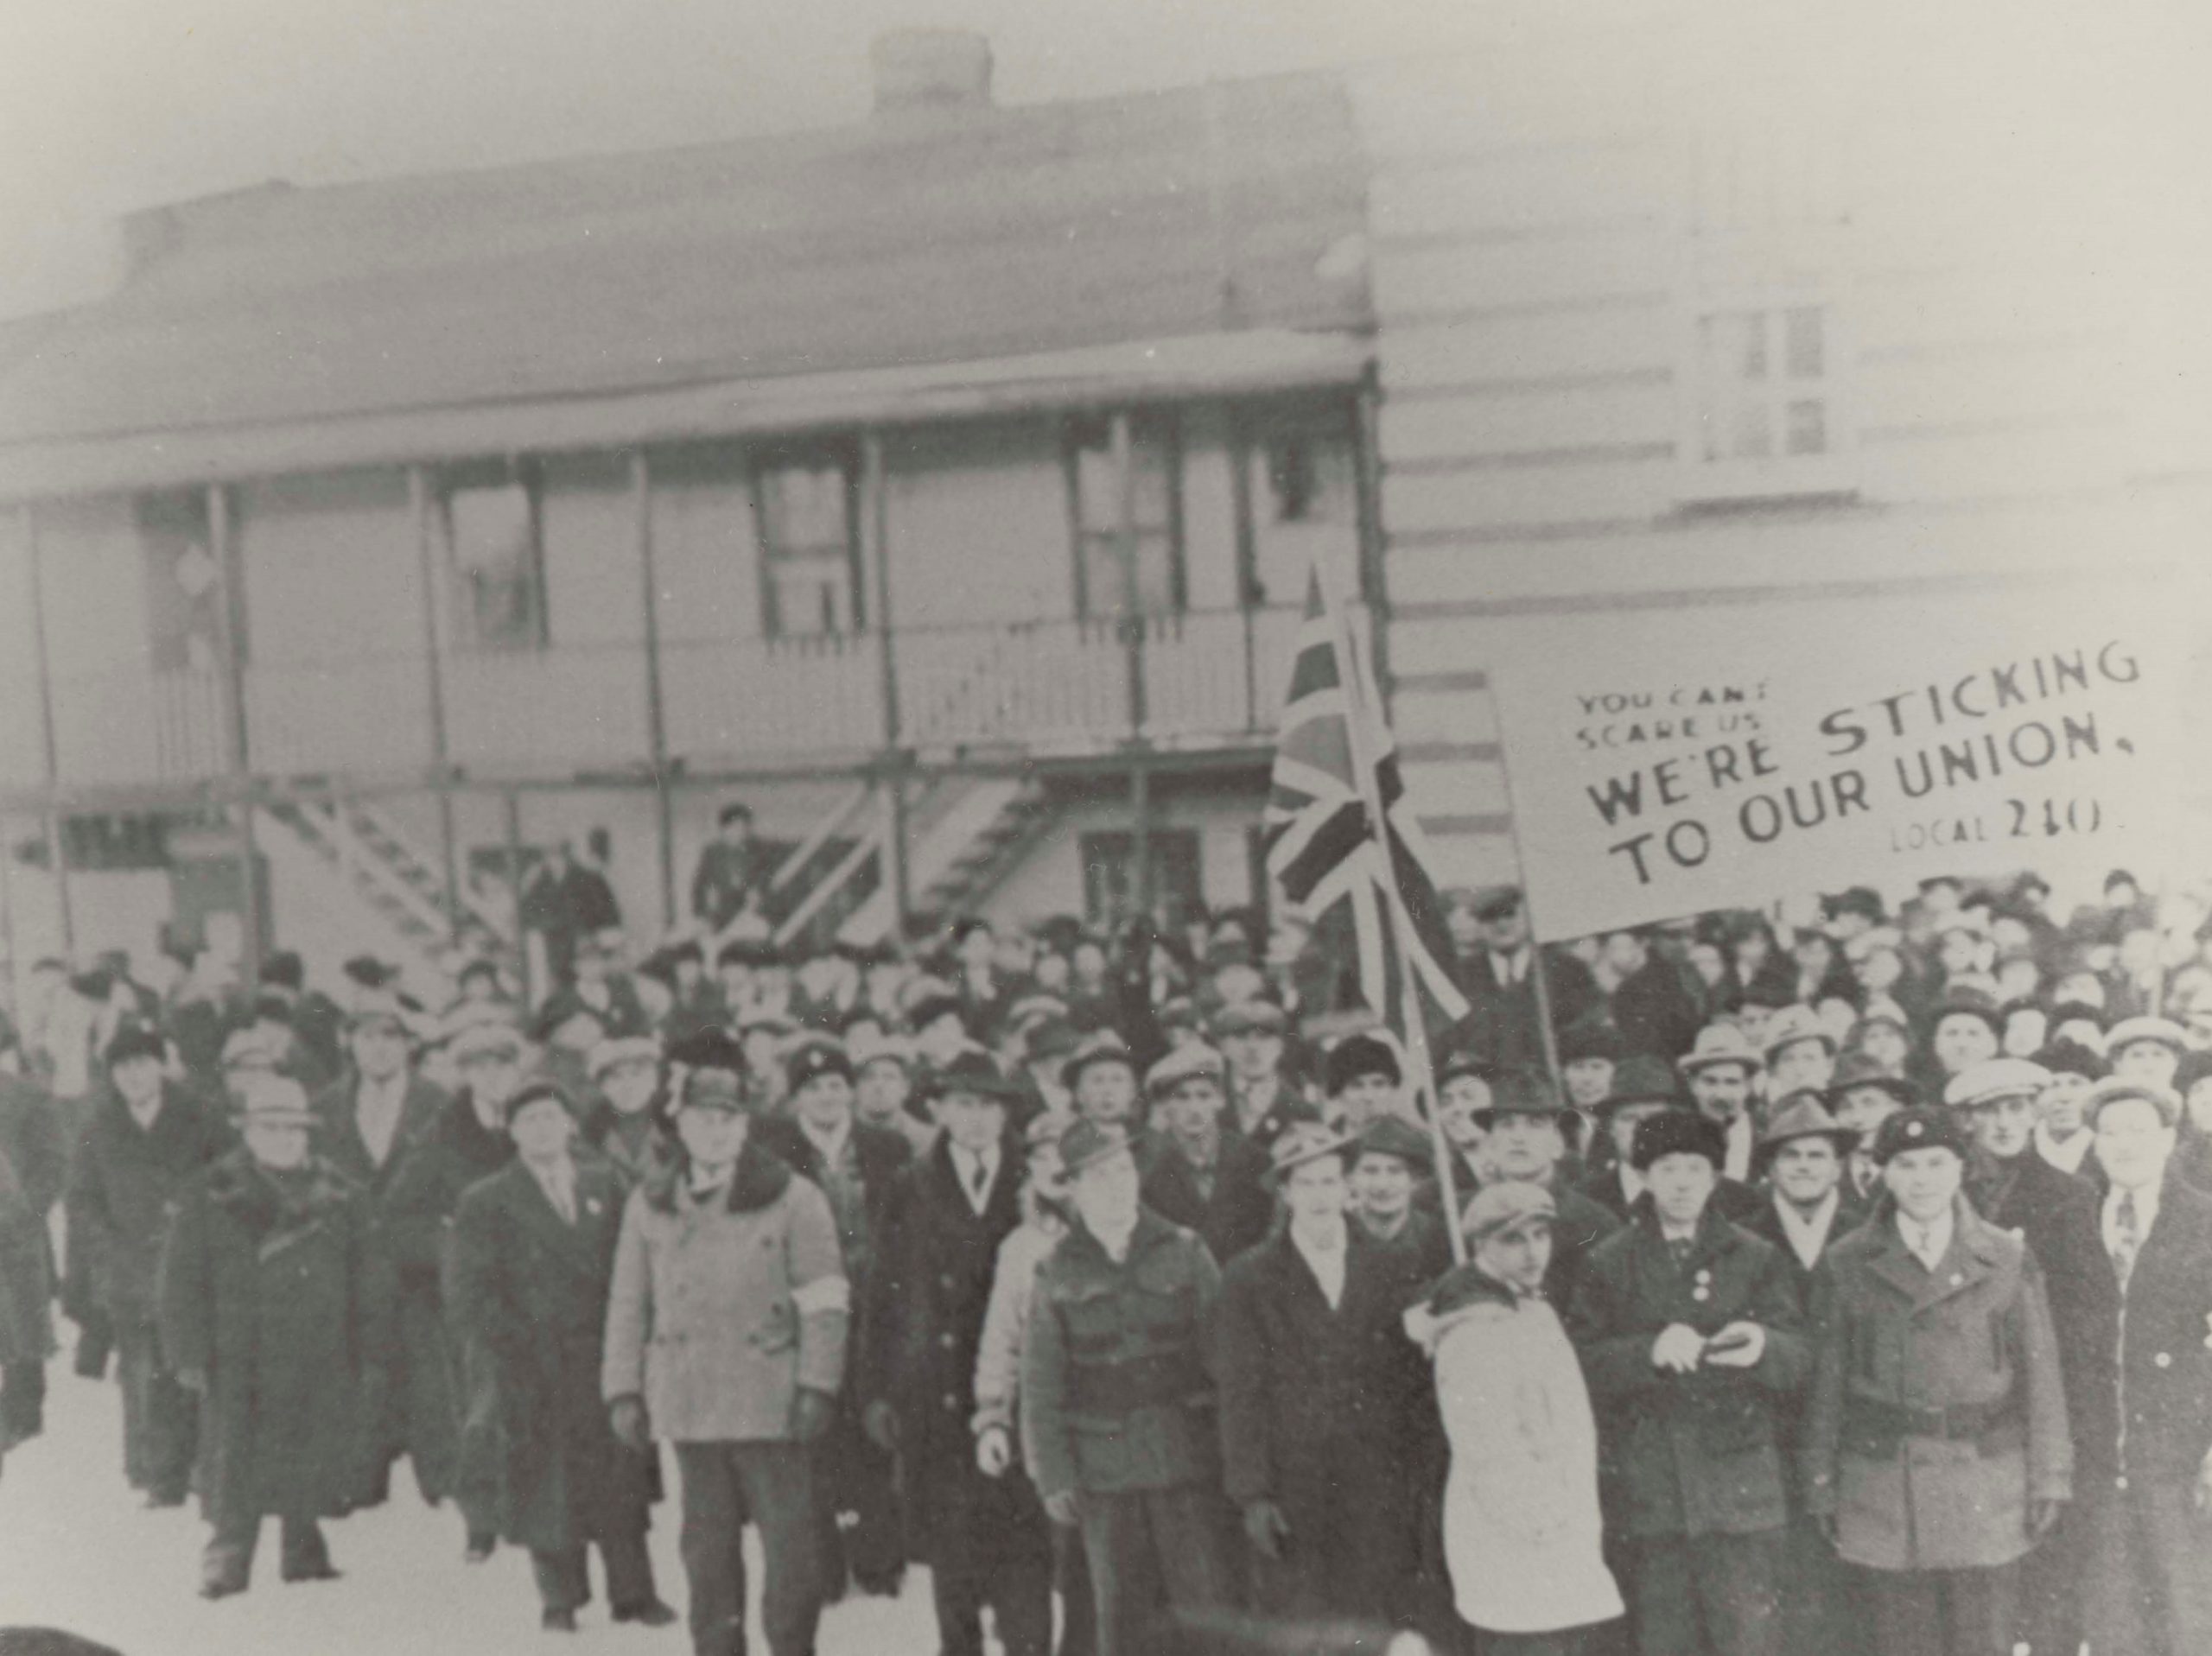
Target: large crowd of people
x=1836 y=1288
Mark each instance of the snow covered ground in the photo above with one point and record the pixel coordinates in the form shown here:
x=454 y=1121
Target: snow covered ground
x=78 y=1552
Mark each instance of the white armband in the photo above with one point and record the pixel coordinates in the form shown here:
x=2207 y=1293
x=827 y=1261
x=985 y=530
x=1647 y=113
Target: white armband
x=823 y=1294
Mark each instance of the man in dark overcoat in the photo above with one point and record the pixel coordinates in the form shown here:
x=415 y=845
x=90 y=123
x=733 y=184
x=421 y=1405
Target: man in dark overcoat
x=857 y=1167
x=1691 y=1337
x=273 y=1302
x=1934 y=1441
x=467 y=1142
x=1321 y=1397
x=533 y=1256
x=370 y=1118
x=985 y=1538
x=2149 y=1592
x=35 y=1147
x=2055 y=1213
x=146 y=1138
x=1203 y=1176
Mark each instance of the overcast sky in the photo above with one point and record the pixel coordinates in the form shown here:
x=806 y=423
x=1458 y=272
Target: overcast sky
x=108 y=105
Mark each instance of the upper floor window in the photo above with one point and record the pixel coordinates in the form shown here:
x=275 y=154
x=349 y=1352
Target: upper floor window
x=496 y=564
x=1142 y=571
x=810 y=581
x=1763 y=383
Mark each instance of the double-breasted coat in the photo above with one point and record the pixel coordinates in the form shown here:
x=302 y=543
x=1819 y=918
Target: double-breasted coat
x=271 y=1289
x=532 y=1289
x=1233 y=1213
x=1937 y=1410
x=1700 y=1453
x=1320 y=1411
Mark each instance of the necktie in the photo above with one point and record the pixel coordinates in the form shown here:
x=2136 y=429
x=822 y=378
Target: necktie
x=564 y=1200
x=979 y=1183
x=1680 y=1247
x=2127 y=1239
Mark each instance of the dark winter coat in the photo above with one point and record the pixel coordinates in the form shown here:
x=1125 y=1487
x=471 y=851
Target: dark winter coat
x=270 y=1289
x=338 y=1135
x=1656 y=1010
x=2164 y=1368
x=880 y=1156
x=1236 y=1213
x=34 y=1140
x=1765 y=1223
x=1502 y=1023
x=1695 y=1454
x=425 y=1188
x=637 y=1149
x=2056 y=1214
x=26 y=1276
x=533 y=1288
x=122 y=1185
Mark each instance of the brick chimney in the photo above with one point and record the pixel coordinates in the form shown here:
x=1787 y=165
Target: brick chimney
x=930 y=71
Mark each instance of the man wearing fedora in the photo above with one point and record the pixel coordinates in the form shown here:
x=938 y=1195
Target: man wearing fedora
x=369 y=1120
x=2056 y=1214
x=274 y=1304
x=1721 y=1071
x=1320 y=1400
x=1691 y=1335
x=1809 y=1207
x=1523 y=1531
x=1201 y=1176
x=533 y=1255
x=1117 y=1402
x=984 y=1536
x=1935 y=1447
x=1863 y=1093
x=1643 y=1088
x=2149 y=1593
x=1525 y=1126
x=726 y=1336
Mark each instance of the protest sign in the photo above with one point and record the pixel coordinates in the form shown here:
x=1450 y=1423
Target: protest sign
x=1676 y=758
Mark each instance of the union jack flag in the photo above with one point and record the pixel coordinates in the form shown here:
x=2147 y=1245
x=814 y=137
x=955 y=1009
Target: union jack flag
x=1321 y=843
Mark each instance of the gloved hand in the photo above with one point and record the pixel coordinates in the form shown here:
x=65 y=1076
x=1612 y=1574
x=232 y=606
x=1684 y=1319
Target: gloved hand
x=880 y=1422
x=811 y=1413
x=626 y=1417
x=1679 y=1347
x=1266 y=1527
x=1062 y=1508
x=994 y=1451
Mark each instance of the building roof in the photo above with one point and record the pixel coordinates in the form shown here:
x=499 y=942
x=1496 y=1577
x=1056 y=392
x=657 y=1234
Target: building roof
x=897 y=244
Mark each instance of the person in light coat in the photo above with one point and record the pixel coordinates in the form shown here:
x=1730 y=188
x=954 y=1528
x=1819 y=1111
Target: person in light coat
x=1522 y=1531
x=726 y=1334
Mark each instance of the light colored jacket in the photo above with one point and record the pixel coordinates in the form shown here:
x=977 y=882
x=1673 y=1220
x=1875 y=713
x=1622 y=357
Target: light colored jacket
x=1014 y=1283
x=1522 y=1533
x=722 y=1309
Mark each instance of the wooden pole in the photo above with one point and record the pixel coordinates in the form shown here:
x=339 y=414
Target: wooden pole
x=512 y=811
x=1248 y=556
x=1359 y=708
x=426 y=559
x=230 y=614
x=656 y=703
x=57 y=851
x=875 y=546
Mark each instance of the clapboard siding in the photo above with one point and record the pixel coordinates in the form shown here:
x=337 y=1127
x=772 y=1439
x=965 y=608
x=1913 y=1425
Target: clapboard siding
x=1479 y=425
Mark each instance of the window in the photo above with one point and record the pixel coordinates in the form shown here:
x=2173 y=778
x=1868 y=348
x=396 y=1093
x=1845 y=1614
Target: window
x=810 y=568
x=1108 y=573
x=1763 y=383
x=498 y=572
x=1109 y=874
x=1303 y=481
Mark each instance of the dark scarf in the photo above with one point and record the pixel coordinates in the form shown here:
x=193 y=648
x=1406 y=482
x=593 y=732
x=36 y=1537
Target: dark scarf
x=760 y=1178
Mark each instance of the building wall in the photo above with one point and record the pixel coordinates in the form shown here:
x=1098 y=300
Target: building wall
x=1547 y=223
x=1050 y=879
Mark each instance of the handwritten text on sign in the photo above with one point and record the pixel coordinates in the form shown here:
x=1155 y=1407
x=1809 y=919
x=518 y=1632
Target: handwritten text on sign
x=1672 y=761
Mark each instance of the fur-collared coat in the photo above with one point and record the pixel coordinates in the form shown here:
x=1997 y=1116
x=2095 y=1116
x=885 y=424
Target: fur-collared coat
x=532 y=1289
x=271 y=1290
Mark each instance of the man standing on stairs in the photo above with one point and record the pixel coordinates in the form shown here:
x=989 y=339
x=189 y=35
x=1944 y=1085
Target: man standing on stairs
x=368 y=1121
x=568 y=902
x=731 y=869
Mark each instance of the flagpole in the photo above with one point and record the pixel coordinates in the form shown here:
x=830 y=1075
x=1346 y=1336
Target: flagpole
x=1363 y=764
x=1544 y=1031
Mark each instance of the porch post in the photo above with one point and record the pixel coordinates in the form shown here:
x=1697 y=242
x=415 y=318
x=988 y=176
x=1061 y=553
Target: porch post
x=1247 y=557
x=57 y=857
x=230 y=613
x=656 y=707
x=875 y=542
x=1374 y=588
x=419 y=505
x=511 y=813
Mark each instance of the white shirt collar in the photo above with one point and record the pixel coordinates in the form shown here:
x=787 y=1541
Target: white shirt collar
x=2068 y=1157
x=830 y=1144
x=1928 y=1242
x=1327 y=1264
x=1807 y=1235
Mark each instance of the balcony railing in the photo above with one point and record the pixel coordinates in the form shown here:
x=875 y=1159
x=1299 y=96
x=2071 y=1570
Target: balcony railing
x=1046 y=685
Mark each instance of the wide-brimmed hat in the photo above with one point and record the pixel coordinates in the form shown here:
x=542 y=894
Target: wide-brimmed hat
x=971 y=1069
x=1792 y=1025
x=1520 y=1092
x=1856 y=1069
x=1967 y=1003
x=1589 y=1037
x=136 y=1041
x=1300 y=1142
x=1802 y=1115
x=1390 y=1135
x=1643 y=1080
x=1717 y=1044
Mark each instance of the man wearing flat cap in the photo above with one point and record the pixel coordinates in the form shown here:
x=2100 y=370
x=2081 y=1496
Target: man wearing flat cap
x=274 y=1305
x=2148 y=1591
x=857 y=1167
x=2056 y=1214
x=1692 y=1337
x=726 y=1335
x=1863 y=1093
x=1934 y=1449
x=144 y=1137
x=1523 y=1535
x=984 y=1536
x=1117 y=1403
x=467 y=1142
x=1320 y=1400
x=1200 y=1175
x=1262 y=1097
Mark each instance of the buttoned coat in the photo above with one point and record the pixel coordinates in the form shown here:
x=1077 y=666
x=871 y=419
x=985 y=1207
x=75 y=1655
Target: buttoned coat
x=1118 y=1364
x=2164 y=1370
x=1235 y=1215
x=533 y=1288
x=723 y=1308
x=1695 y=1454
x=122 y=1185
x=1765 y=1223
x=277 y=1300
x=338 y=1135
x=1974 y=1335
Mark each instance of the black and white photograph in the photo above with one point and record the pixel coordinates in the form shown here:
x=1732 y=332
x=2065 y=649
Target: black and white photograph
x=956 y=828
